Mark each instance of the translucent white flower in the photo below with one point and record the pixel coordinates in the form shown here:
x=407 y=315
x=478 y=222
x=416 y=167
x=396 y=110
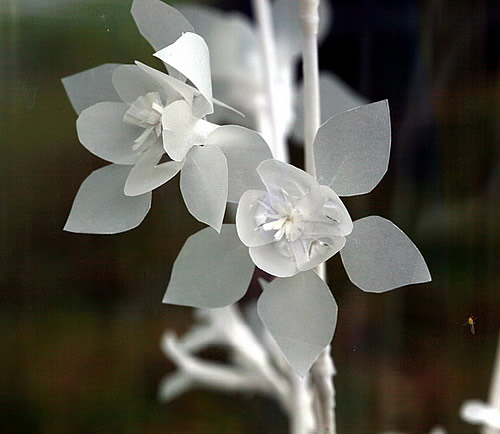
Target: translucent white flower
x=152 y=125
x=295 y=224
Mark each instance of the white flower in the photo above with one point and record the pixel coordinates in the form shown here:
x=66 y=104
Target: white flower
x=150 y=117
x=295 y=224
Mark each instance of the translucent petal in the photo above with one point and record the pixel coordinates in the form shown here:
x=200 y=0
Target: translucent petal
x=159 y=23
x=378 y=256
x=244 y=150
x=89 y=87
x=351 y=150
x=204 y=184
x=310 y=255
x=278 y=175
x=247 y=219
x=301 y=314
x=168 y=82
x=336 y=210
x=189 y=55
x=101 y=207
x=147 y=174
x=336 y=97
x=102 y=131
x=131 y=82
x=212 y=270
x=274 y=259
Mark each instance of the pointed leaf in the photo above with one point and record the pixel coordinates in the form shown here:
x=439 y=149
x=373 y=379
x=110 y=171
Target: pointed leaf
x=378 y=256
x=159 y=23
x=351 y=150
x=336 y=97
x=244 y=150
x=101 y=207
x=189 y=55
x=204 y=184
x=300 y=313
x=89 y=87
x=212 y=270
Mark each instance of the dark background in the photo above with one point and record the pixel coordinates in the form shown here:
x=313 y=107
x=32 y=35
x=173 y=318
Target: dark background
x=81 y=315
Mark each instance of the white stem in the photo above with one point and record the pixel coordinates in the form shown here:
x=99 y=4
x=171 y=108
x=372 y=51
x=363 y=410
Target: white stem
x=494 y=398
x=323 y=370
x=276 y=139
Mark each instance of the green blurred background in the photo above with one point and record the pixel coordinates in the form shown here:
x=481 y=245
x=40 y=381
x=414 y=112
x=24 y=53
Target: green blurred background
x=81 y=315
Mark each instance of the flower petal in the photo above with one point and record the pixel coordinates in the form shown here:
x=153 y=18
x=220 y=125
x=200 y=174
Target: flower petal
x=159 y=23
x=189 y=55
x=131 y=82
x=277 y=175
x=212 y=270
x=275 y=259
x=351 y=150
x=89 y=87
x=101 y=207
x=102 y=131
x=336 y=97
x=167 y=82
x=147 y=174
x=300 y=313
x=204 y=184
x=244 y=150
x=247 y=219
x=310 y=255
x=378 y=256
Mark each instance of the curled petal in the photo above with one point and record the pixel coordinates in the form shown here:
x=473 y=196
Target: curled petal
x=89 y=87
x=249 y=216
x=102 y=131
x=147 y=174
x=101 y=207
x=189 y=55
x=277 y=175
x=274 y=258
x=311 y=253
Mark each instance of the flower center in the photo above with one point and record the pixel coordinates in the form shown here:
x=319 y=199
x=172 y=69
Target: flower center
x=145 y=112
x=287 y=221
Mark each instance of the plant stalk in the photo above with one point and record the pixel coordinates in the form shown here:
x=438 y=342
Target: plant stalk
x=323 y=370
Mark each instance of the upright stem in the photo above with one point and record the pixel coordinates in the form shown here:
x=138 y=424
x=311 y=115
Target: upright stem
x=276 y=139
x=323 y=370
x=494 y=398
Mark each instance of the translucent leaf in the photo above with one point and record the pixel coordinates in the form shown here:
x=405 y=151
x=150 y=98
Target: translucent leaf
x=102 y=131
x=351 y=150
x=189 y=55
x=378 y=256
x=244 y=150
x=159 y=23
x=147 y=174
x=204 y=184
x=300 y=313
x=336 y=97
x=89 y=87
x=212 y=270
x=101 y=207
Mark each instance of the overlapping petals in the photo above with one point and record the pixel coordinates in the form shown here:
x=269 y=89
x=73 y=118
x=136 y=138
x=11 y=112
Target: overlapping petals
x=295 y=224
x=155 y=123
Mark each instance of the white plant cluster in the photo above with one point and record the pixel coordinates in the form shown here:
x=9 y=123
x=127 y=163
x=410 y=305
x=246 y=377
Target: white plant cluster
x=151 y=125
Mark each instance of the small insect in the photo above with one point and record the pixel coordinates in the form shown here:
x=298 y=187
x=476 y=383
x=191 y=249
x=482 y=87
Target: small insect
x=471 y=323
